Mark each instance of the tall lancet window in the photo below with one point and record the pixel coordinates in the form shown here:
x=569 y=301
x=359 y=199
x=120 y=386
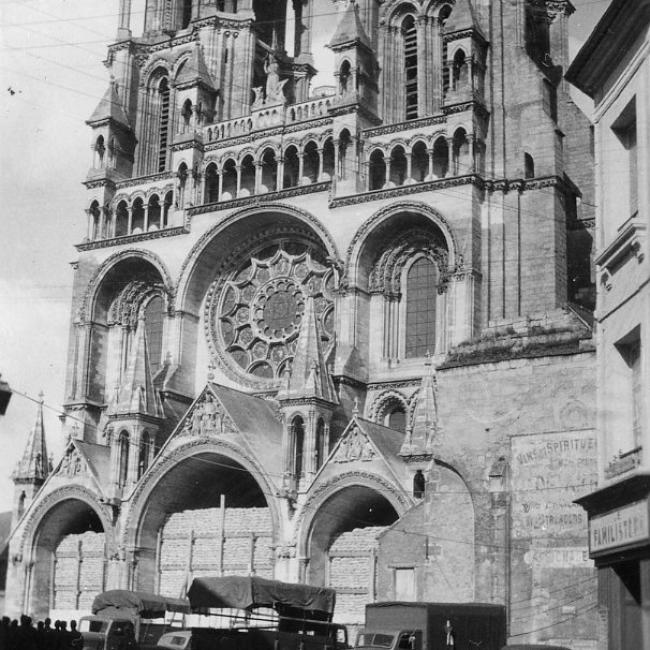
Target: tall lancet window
x=409 y=33
x=421 y=293
x=123 y=468
x=163 y=94
x=153 y=318
x=298 y=439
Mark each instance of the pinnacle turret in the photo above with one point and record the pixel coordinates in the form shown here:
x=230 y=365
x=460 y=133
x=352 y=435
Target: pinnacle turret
x=310 y=378
x=349 y=30
x=421 y=435
x=34 y=466
x=136 y=394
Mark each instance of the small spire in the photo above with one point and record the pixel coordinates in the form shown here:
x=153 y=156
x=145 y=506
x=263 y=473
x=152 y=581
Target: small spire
x=309 y=376
x=137 y=395
x=422 y=434
x=34 y=466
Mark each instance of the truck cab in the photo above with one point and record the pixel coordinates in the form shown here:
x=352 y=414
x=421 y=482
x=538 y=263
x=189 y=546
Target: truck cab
x=390 y=640
x=101 y=633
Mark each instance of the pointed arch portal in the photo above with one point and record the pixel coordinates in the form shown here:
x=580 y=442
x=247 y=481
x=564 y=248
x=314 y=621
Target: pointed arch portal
x=68 y=561
x=206 y=514
x=342 y=545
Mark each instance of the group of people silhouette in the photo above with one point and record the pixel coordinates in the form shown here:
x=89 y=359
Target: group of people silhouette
x=24 y=635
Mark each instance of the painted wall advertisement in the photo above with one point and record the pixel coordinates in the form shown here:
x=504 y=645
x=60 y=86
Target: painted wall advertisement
x=549 y=471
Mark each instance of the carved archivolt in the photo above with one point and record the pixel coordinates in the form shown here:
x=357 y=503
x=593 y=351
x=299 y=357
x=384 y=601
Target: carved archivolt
x=169 y=458
x=65 y=493
x=316 y=230
x=109 y=264
x=386 y=275
x=127 y=306
x=384 y=401
x=393 y=492
x=404 y=207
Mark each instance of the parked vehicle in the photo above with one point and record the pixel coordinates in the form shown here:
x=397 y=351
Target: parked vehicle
x=297 y=617
x=433 y=626
x=128 y=620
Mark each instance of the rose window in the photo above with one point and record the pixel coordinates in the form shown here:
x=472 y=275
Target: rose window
x=254 y=314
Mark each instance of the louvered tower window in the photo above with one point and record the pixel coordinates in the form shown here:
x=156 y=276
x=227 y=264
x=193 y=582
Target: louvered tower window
x=163 y=90
x=411 y=67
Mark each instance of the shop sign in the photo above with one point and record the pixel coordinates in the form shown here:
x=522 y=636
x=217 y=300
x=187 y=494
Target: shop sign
x=621 y=527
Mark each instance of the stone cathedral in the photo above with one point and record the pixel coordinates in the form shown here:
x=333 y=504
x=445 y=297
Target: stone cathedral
x=338 y=334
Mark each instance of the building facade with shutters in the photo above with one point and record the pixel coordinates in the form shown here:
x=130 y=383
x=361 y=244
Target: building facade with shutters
x=619 y=514
x=337 y=335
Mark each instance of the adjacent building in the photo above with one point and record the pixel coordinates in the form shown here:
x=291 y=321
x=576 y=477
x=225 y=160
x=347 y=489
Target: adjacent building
x=340 y=335
x=613 y=68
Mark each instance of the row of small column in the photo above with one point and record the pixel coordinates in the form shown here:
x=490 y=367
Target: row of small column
x=453 y=160
x=101 y=223
x=279 y=172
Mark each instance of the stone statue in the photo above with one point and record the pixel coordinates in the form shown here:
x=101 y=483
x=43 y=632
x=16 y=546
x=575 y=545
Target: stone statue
x=274 y=85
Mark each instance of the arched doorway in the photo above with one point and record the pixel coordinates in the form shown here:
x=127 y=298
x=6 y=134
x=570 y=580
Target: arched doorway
x=342 y=546
x=206 y=515
x=69 y=560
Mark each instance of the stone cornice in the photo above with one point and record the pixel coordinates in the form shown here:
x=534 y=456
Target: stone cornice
x=432 y=120
x=100 y=182
x=471 y=105
x=130 y=239
x=405 y=190
x=143 y=180
x=259 y=199
x=470 y=32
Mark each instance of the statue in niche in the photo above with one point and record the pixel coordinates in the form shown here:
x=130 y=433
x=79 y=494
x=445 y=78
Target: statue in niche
x=274 y=85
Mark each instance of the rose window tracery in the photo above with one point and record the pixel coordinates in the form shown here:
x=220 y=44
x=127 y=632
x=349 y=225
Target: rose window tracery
x=254 y=313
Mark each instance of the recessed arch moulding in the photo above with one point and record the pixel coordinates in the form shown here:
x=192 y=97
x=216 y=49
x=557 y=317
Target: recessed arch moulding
x=220 y=482
x=378 y=263
x=110 y=300
x=66 y=513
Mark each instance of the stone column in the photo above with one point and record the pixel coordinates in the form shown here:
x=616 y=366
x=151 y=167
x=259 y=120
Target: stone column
x=451 y=169
x=258 y=176
x=145 y=224
x=220 y=176
x=279 y=181
x=430 y=174
x=301 y=165
x=238 y=168
x=387 y=179
x=129 y=211
x=320 y=165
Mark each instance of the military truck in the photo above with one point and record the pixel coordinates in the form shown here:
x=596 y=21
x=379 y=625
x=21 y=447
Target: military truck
x=433 y=626
x=129 y=620
x=264 y=615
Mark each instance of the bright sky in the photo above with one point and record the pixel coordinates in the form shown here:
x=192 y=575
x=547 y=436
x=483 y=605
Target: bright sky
x=51 y=79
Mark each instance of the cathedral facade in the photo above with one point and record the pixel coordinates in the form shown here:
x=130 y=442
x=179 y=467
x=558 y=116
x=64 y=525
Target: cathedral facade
x=338 y=335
